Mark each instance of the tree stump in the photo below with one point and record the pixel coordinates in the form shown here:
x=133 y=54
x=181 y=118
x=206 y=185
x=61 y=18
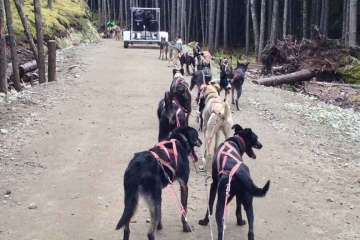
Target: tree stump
x=51 y=60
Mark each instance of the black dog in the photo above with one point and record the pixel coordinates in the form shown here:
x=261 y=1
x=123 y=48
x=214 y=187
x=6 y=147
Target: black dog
x=171 y=115
x=179 y=89
x=188 y=60
x=146 y=176
x=199 y=78
x=228 y=168
x=237 y=78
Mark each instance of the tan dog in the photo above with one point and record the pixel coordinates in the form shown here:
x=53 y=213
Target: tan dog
x=217 y=119
x=207 y=57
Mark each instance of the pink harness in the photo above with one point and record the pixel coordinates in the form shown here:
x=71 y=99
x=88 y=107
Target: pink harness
x=173 y=151
x=229 y=152
x=233 y=79
x=180 y=108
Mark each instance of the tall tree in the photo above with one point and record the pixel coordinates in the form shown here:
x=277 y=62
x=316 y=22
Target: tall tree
x=313 y=18
x=173 y=19
x=273 y=35
x=247 y=29
x=3 y=65
x=121 y=13
x=14 y=56
x=304 y=13
x=202 y=17
x=217 y=29
x=49 y=4
x=190 y=19
x=40 y=41
x=226 y=25
x=324 y=21
x=99 y=15
x=181 y=7
x=269 y=17
x=285 y=22
x=353 y=23
x=255 y=26
x=344 y=27
x=262 y=29
x=212 y=26
x=178 y=17
x=26 y=29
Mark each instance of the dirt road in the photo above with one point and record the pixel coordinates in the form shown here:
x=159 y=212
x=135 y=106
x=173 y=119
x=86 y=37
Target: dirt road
x=70 y=160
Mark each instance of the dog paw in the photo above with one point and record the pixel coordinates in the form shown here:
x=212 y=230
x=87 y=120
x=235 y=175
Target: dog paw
x=159 y=226
x=187 y=227
x=232 y=102
x=204 y=222
x=241 y=222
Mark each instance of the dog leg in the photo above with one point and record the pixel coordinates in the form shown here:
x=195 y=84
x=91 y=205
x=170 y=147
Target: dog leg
x=127 y=231
x=213 y=189
x=184 y=197
x=250 y=216
x=238 y=94
x=154 y=202
x=240 y=220
x=220 y=206
x=232 y=95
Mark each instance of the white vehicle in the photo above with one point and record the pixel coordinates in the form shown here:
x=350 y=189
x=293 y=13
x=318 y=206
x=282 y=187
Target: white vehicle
x=144 y=27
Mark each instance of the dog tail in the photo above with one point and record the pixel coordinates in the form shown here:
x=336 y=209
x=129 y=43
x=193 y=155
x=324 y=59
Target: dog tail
x=258 y=192
x=227 y=110
x=168 y=104
x=252 y=188
x=131 y=200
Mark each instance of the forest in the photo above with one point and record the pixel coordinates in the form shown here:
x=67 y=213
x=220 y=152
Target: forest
x=223 y=25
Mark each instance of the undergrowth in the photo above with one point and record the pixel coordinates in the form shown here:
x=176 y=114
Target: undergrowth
x=63 y=15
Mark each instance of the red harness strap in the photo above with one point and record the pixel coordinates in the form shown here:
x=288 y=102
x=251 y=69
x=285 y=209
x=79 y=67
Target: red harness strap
x=230 y=152
x=173 y=151
x=181 y=80
x=233 y=79
x=180 y=108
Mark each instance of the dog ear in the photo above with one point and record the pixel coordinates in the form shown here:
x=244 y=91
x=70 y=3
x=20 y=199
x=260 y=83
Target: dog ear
x=247 y=64
x=216 y=86
x=237 y=62
x=174 y=71
x=202 y=54
x=203 y=87
x=237 y=127
x=182 y=71
x=220 y=61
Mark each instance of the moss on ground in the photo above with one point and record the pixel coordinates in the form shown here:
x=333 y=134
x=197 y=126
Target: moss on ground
x=63 y=15
x=351 y=73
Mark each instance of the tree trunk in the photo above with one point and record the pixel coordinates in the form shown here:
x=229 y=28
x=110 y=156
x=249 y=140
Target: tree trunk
x=121 y=13
x=324 y=22
x=26 y=29
x=318 y=11
x=202 y=16
x=40 y=40
x=14 y=56
x=269 y=18
x=262 y=29
x=184 y=22
x=173 y=19
x=49 y=4
x=190 y=10
x=255 y=26
x=226 y=25
x=3 y=62
x=212 y=26
x=304 y=23
x=178 y=17
x=286 y=7
x=302 y=75
x=181 y=7
x=108 y=11
x=273 y=36
x=347 y=22
x=99 y=14
x=169 y=16
x=217 y=30
x=344 y=27
x=247 y=28
x=313 y=18
x=353 y=23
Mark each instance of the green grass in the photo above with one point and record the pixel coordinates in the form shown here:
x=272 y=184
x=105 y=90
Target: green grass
x=63 y=15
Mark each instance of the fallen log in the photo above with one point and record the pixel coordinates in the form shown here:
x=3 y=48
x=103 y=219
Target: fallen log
x=27 y=67
x=302 y=75
x=28 y=77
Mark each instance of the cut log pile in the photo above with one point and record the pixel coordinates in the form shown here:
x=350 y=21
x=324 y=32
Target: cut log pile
x=301 y=61
x=28 y=72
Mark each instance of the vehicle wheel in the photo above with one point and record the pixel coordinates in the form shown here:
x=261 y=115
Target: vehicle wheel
x=126 y=44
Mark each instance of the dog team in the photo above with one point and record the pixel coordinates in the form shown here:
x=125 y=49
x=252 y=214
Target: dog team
x=150 y=171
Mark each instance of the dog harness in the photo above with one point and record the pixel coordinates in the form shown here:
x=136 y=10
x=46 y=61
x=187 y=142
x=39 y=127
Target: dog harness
x=226 y=151
x=171 y=153
x=178 y=111
x=178 y=81
x=233 y=79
